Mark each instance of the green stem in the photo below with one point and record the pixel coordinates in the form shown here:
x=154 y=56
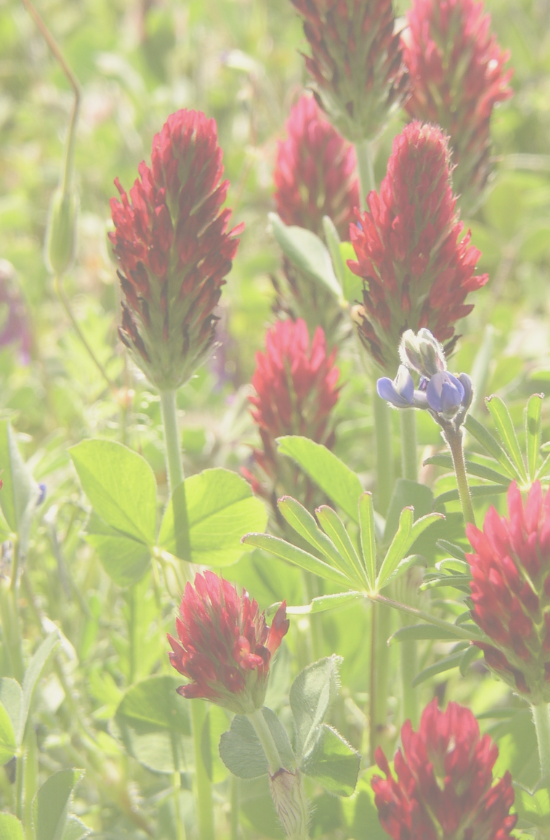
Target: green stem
x=73 y=81
x=31 y=780
x=409 y=450
x=198 y=708
x=265 y=737
x=454 y=441
x=11 y=625
x=541 y=717
x=409 y=670
x=204 y=787
x=365 y=169
x=409 y=648
x=175 y=472
x=58 y=284
x=234 y=816
x=420 y=615
x=176 y=785
x=384 y=455
x=379 y=677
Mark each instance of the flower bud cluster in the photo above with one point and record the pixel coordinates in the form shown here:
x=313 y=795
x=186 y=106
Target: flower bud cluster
x=315 y=172
x=445 y=396
x=224 y=646
x=174 y=250
x=416 y=268
x=443 y=784
x=356 y=62
x=457 y=77
x=511 y=591
x=296 y=390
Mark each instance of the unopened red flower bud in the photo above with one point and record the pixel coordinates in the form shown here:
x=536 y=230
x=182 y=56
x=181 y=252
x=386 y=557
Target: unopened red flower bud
x=443 y=785
x=457 y=77
x=61 y=231
x=355 y=63
x=511 y=591
x=296 y=391
x=315 y=172
x=174 y=250
x=417 y=270
x=224 y=646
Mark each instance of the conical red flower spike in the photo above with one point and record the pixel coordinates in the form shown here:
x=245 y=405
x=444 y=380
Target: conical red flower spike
x=224 y=645
x=457 y=77
x=296 y=390
x=511 y=591
x=356 y=63
x=444 y=786
x=174 y=250
x=417 y=271
x=315 y=172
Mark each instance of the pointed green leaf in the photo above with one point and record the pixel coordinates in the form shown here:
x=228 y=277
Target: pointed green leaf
x=51 y=804
x=242 y=752
x=75 y=829
x=10 y=828
x=334 y=527
x=419 y=632
x=8 y=743
x=304 y=524
x=220 y=509
x=311 y=694
x=306 y=251
x=322 y=603
x=470 y=655
x=11 y=698
x=420 y=525
x=368 y=542
x=120 y=485
x=491 y=445
x=445 y=664
x=406 y=494
x=332 y=762
x=453 y=549
x=472 y=468
x=398 y=548
x=334 y=478
x=505 y=427
x=296 y=556
x=404 y=565
x=477 y=492
x=32 y=675
x=533 y=807
x=533 y=432
x=19 y=487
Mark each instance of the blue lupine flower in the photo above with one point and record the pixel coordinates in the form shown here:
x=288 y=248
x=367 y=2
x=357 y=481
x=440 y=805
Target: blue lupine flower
x=445 y=393
x=400 y=391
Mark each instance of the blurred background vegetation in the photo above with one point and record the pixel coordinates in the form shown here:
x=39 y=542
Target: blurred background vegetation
x=237 y=60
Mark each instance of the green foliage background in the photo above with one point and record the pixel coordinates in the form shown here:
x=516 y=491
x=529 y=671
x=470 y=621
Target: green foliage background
x=238 y=60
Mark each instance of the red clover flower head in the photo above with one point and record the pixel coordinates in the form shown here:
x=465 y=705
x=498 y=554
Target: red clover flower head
x=457 y=77
x=356 y=62
x=444 y=785
x=224 y=645
x=315 y=172
x=296 y=389
x=511 y=591
x=174 y=250
x=416 y=268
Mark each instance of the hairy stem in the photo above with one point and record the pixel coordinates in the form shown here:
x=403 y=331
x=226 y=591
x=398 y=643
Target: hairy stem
x=409 y=459
x=365 y=169
x=384 y=455
x=454 y=441
x=198 y=708
x=541 y=717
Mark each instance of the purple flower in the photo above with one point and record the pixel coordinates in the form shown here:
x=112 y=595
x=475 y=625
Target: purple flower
x=445 y=393
x=400 y=391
